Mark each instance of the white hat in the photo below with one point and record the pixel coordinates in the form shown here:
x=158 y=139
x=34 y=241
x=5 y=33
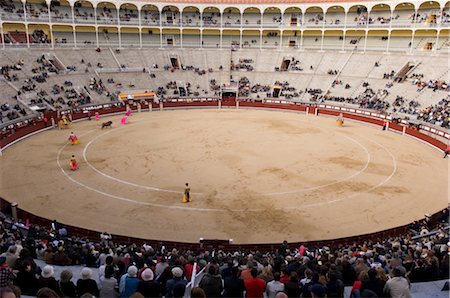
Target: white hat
x=177 y=272
x=86 y=273
x=147 y=274
x=132 y=271
x=47 y=271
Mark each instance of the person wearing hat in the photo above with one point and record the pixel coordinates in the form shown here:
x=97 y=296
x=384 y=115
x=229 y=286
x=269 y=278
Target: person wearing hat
x=128 y=282
x=47 y=280
x=86 y=284
x=66 y=286
x=148 y=287
x=7 y=275
x=177 y=279
x=108 y=283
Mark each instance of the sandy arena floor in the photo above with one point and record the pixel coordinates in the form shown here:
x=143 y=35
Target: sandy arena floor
x=255 y=176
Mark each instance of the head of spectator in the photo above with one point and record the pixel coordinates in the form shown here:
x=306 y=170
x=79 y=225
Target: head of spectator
x=109 y=271
x=317 y=290
x=47 y=271
x=46 y=293
x=177 y=272
x=147 y=274
x=86 y=273
x=132 y=271
x=254 y=272
x=66 y=276
x=198 y=293
x=7 y=292
x=281 y=295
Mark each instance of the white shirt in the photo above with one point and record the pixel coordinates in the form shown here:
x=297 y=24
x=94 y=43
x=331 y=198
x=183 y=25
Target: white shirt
x=273 y=287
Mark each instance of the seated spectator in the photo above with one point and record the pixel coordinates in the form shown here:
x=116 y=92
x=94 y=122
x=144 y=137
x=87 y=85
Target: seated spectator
x=66 y=286
x=128 y=282
x=47 y=280
x=108 y=284
x=7 y=275
x=177 y=280
x=398 y=285
x=26 y=279
x=86 y=284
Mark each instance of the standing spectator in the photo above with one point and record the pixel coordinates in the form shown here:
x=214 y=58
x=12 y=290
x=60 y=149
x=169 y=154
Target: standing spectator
x=189 y=268
x=335 y=286
x=108 y=283
x=7 y=275
x=177 y=280
x=233 y=285
x=274 y=286
x=66 y=286
x=47 y=280
x=161 y=266
x=255 y=286
x=398 y=286
x=128 y=282
x=373 y=283
x=292 y=288
x=86 y=284
x=147 y=286
x=211 y=283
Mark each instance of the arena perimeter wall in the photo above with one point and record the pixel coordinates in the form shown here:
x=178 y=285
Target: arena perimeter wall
x=424 y=133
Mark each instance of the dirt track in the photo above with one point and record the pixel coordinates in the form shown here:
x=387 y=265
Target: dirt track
x=256 y=176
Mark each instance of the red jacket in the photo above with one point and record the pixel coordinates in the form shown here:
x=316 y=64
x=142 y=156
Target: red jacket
x=255 y=287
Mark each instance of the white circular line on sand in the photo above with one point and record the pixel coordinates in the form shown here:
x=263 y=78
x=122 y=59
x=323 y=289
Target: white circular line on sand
x=153 y=188
x=215 y=209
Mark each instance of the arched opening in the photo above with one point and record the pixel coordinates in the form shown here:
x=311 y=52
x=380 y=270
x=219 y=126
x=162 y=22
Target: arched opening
x=403 y=15
x=39 y=34
x=312 y=39
x=230 y=38
x=63 y=36
x=171 y=38
x=170 y=16
x=313 y=17
x=428 y=13
x=333 y=39
x=37 y=10
x=129 y=14
x=354 y=40
x=211 y=17
x=291 y=38
x=425 y=40
x=380 y=15
x=211 y=38
x=151 y=37
x=292 y=17
x=60 y=11
x=444 y=41
x=108 y=36
x=272 y=17
x=12 y=11
x=377 y=40
x=231 y=17
x=271 y=39
x=84 y=12
x=401 y=40
x=14 y=34
x=357 y=16
x=446 y=14
x=251 y=17
x=129 y=37
x=149 y=15
x=85 y=36
x=191 y=38
x=191 y=17
x=335 y=16
x=106 y=13
x=250 y=39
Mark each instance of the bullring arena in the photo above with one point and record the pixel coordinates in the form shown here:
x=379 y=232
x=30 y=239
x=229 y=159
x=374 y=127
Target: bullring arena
x=164 y=142
x=252 y=172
